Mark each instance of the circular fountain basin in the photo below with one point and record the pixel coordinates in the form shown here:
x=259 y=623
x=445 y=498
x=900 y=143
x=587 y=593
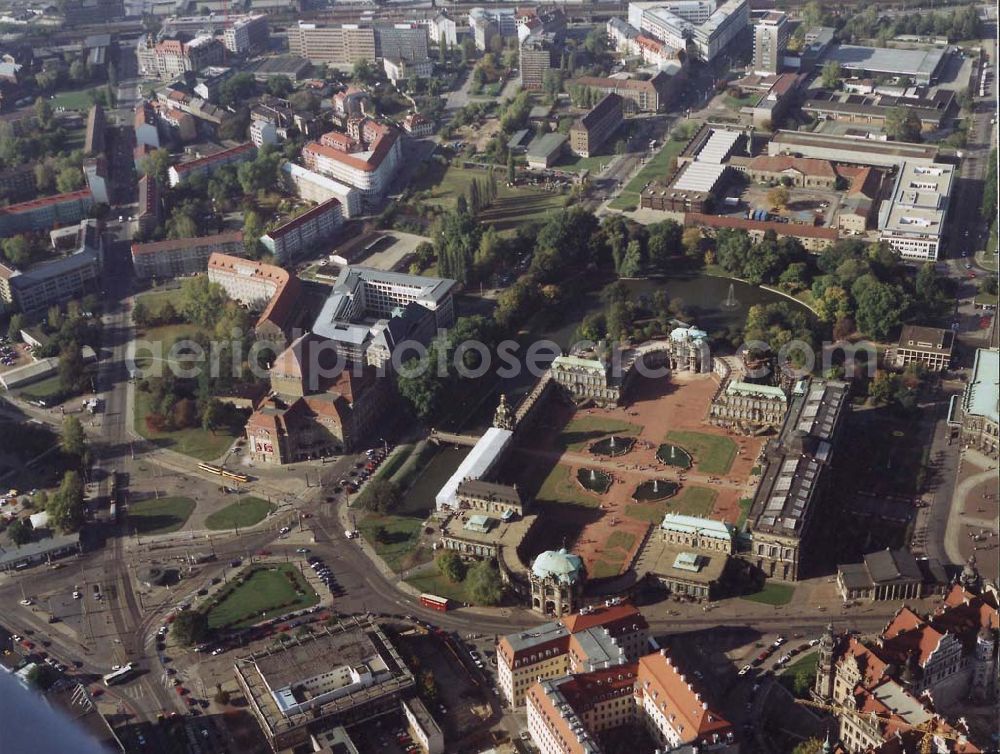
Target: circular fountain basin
x=674 y=455
x=612 y=446
x=594 y=480
x=655 y=489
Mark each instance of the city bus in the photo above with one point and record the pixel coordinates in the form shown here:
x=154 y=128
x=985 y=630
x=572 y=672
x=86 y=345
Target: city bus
x=121 y=675
x=434 y=602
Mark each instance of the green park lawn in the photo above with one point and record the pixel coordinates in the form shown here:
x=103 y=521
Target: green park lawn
x=159 y=516
x=154 y=300
x=690 y=501
x=433 y=581
x=561 y=486
x=581 y=431
x=594 y=164
x=246 y=511
x=399 y=550
x=512 y=207
x=657 y=167
x=76 y=100
x=267 y=593
x=712 y=454
x=773 y=593
x=49 y=390
x=196 y=442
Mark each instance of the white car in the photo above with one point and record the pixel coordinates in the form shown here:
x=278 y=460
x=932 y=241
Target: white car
x=744 y=670
x=76 y=594
x=217 y=651
x=26 y=602
x=284 y=530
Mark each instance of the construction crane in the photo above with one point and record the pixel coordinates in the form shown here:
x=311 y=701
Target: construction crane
x=929 y=728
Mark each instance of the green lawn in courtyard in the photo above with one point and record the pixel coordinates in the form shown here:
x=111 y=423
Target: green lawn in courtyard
x=651 y=513
x=581 y=431
x=246 y=511
x=154 y=300
x=745 y=504
x=270 y=591
x=80 y=99
x=620 y=539
x=159 y=516
x=594 y=164
x=656 y=168
x=195 y=442
x=712 y=454
x=561 y=486
x=773 y=593
x=690 y=501
x=398 y=550
x=49 y=390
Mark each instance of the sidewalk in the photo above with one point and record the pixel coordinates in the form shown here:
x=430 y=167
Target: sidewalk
x=956 y=519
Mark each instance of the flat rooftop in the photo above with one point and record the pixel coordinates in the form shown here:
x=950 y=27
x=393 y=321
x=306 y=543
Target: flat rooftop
x=664 y=559
x=919 y=64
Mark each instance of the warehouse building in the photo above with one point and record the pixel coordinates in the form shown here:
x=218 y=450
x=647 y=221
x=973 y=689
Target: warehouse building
x=588 y=134
x=922 y=66
x=851 y=150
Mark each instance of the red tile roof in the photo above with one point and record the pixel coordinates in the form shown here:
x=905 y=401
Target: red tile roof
x=614 y=616
x=286 y=285
x=804 y=165
x=329 y=205
x=672 y=693
x=781 y=229
x=44 y=201
x=155 y=247
x=183 y=167
x=378 y=152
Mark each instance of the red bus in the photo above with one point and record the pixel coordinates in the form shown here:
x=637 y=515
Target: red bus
x=434 y=602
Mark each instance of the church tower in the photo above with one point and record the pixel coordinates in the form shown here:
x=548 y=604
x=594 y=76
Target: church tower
x=825 y=670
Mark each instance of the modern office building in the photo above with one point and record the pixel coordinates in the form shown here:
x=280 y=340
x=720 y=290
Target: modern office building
x=486 y=23
x=58 y=280
x=442 y=30
x=46 y=212
x=770 y=39
x=591 y=132
x=406 y=42
x=304 y=232
x=913 y=220
x=370 y=312
x=246 y=35
x=203 y=165
x=342 y=674
x=95 y=136
x=337 y=46
x=367 y=161
x=692 y=24
x=95 y=171
x=930 y=346
x=176 y=257
x=539 y=55
x=789 y=497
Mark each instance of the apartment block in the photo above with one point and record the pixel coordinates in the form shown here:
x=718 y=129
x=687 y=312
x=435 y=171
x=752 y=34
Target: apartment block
x=182 y=256
x=589 y=133
x=651 y=96
x=770 y=40
x=234 y=155
x=539 y=54
x=172 y=58
x=246 y=35
x=302 y=233
x=338 y=46
x=46 y=212
x=406 y=42
x=369 y=170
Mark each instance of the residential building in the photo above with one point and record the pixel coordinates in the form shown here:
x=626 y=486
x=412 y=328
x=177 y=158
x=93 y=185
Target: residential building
x=930 y=346
x=418 y=126
x=46 y=212
x=947 y=657
x=922 y=66
x=272 y=291
x=318 y=406
x=423 y=727
x=172 y=58
x=145 y=124
x=347 y=672
x=58 y=280
x=976 y=414
x=370 y=312
x=748 y=408
x=210 y=82
x=202 y=165
x=674 y=712
x=696 y=25
x=95 y=136
x=851 y=150
x=912 y=221
x=398 y=69
x=407 y=42
x=318 y=188
x=604 y=636
x=176 y=257
x=352 y=103
x=544 y=151
x=591 y=132
x=369 y=167
x=246 y=35
x=793 y=485
x=770 y=39
x=95 y=171
x=442 y=29
x=891 y=575
x=639 y=96
x=304 y=232
x=150 y=210
x=539 y=55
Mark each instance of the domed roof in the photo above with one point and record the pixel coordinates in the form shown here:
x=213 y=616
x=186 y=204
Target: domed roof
x=558 y=564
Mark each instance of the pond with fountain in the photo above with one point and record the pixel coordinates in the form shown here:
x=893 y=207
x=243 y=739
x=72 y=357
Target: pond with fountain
x=655 y=489
x=674 y=455
x=594 y=480
x=612 y=446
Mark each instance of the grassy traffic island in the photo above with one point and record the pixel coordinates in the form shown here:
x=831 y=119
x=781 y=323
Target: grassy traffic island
x=259 y=593
x=247 y=511
x=475 y=583
x=162 y=516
